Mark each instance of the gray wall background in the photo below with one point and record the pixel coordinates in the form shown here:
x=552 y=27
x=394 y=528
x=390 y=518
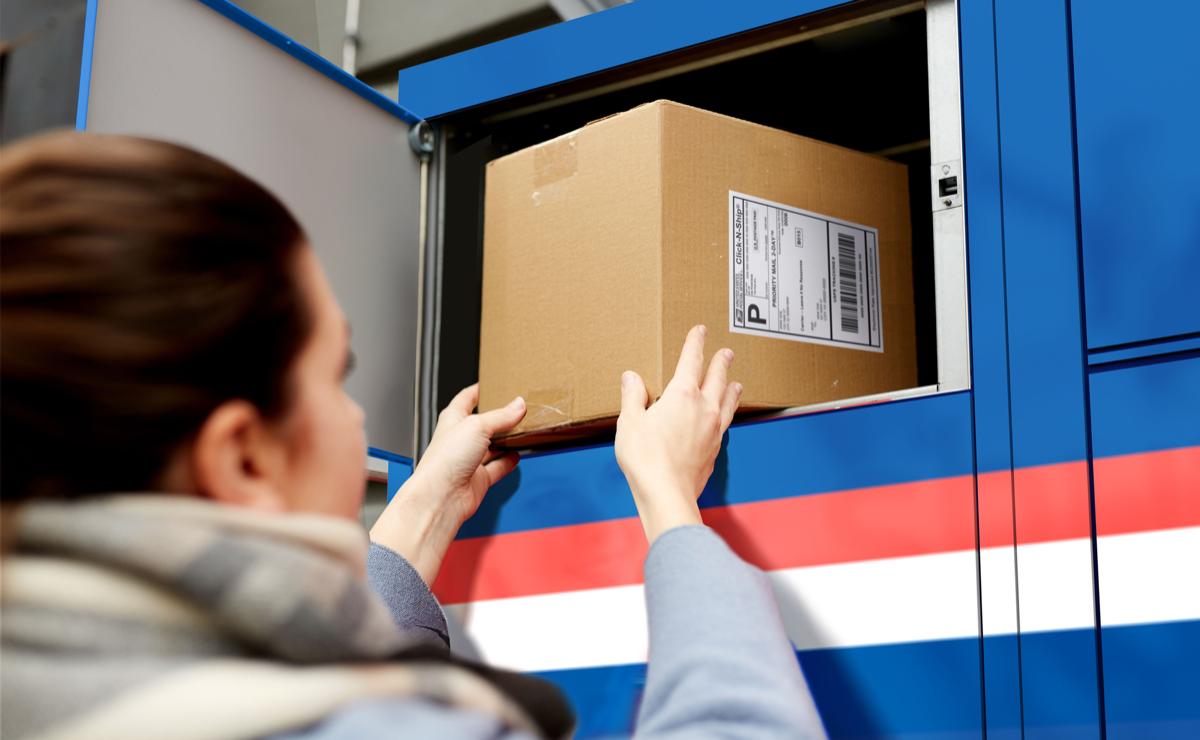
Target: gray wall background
x=41 y=45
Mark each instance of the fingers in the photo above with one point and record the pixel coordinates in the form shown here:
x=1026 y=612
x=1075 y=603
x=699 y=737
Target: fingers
x=462 y=404
x=501 y=467
x=691 y=360
x=633 y=394
x=716 y=380
x=493 y=454
x=729 y=404
x=502 y=419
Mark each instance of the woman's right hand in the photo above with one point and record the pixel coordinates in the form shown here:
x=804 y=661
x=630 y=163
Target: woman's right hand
x=667 y=451
x=449 y=483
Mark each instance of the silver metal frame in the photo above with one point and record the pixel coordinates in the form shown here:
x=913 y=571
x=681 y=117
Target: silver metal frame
x=426 y=406
x=949 y=223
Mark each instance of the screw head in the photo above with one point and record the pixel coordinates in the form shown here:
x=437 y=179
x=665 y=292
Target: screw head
x=947 y=202
x=945 y=169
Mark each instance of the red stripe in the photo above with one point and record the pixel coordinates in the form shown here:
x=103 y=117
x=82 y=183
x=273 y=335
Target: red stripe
x=1134 y=493
x=596 y=555
x=996 y=509
x=862 y=524
x=1149 y=491
x=1052 y=502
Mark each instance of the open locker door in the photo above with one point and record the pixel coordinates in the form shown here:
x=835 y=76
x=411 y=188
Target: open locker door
x=334 y=151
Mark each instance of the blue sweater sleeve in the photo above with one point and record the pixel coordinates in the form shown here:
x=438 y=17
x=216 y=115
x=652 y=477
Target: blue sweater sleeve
x=721 y=664
x=413 y=607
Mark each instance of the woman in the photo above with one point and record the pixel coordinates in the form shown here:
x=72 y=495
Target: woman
x=168 y=331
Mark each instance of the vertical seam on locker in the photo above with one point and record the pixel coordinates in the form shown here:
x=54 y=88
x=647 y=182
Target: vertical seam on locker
x=974 y=437
x=1012 y=481
x=1087 y=388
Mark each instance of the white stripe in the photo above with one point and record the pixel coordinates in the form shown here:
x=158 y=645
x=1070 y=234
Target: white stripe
x=1146 y=577
x=998 y=572
x=575 y=629
x=1150 y=577
x=882 y=601
x=1055 y=585
x=928 y=597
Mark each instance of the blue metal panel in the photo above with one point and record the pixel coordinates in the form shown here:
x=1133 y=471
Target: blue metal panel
x=897 y=442
x=912 y=690
x=1146 y=408
x=1060 y=677
x=606 y=699
x=1137 y=108
x=400 y=469
x=1058 y=692
x=888 y=691
x=985 y=248
x=594 y=43
x=909 y=690
x=1152 y=681
x=1002 y=690
x=989 y=343
x=1151 y=673
x=1151 y=348
x=398 y=474
x=1045 y=323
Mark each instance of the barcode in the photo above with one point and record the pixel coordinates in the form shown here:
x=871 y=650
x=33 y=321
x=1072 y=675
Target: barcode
x=848 y=282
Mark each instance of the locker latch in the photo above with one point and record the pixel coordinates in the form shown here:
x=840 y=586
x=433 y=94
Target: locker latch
x=947 y=185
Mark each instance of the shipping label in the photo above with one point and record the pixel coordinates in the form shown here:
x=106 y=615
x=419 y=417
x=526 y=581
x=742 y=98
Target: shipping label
x=802 y=276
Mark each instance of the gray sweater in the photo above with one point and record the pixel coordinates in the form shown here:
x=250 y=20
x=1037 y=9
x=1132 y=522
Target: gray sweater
x=720 y=662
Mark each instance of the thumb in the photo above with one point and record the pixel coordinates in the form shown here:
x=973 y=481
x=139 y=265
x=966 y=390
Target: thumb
x=502 y=419
x=633 y=393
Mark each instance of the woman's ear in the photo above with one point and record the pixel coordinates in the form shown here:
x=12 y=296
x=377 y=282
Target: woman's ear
x=238 y=458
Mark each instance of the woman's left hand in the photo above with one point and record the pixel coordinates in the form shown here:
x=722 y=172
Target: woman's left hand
x=449 y=483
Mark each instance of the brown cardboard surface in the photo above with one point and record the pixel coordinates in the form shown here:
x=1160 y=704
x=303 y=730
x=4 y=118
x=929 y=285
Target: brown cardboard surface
x=603 y=247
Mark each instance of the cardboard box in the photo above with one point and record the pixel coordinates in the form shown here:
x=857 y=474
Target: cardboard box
x=604 y=246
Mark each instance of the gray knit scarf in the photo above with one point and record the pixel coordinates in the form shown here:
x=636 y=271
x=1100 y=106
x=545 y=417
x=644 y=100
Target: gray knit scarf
x=151 y=616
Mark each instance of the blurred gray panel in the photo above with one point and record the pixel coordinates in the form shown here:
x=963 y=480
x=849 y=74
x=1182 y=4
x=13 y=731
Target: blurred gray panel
x=43 y=42
x=176 y=70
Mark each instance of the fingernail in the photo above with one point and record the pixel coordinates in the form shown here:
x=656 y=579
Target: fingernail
x=516 y=403
x=626 y=378
x=703 y=330
x=737 y=388
x=729 y=355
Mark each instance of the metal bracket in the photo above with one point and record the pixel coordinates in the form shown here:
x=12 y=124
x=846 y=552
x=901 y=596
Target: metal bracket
x=421 y=139
x=946 y=180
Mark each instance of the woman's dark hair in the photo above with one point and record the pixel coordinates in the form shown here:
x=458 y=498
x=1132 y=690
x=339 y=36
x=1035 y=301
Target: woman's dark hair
x=142 y=284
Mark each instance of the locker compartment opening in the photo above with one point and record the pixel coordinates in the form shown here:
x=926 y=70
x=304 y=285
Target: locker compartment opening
x=856 y=76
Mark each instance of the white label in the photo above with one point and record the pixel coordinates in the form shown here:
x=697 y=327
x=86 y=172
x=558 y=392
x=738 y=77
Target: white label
x=802 y=276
